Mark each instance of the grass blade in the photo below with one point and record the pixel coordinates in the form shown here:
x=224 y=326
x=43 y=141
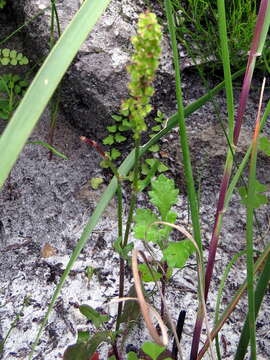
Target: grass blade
x=220 y=290
x=259 y=294
x=249 y=232
x=192 y=196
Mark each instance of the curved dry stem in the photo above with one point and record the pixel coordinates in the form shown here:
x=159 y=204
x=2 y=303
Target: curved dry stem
x=200 y=271
x=146 y=308
x=152 y=311
x=173 y=328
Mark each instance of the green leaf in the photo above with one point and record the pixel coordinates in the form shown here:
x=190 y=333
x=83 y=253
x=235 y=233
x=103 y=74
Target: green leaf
x=5 y=61
x=89 y=272
x=259 y=199
x=77 y=351
x=117 y=118
x=109 y=140
x=123 y=252
x=153 y=350
x=96 y=182
x=13 y=54
x=85 y=351
x=6 y=52
x=264 y=145
x=142 y=230
x=162 y=168
x=177 y=253
x=83 y=336
x=166 y=230
x=163 y=194
x=92 y=315
x=105 y=164
x=13 y=62
x=145 y=169
x=154 y=148
x=119 y=138
x=160 y=116
x=123 y=128
x=156 y=128
x=24 y=61
x=126 y=123
x=115 y=154
x=112 y=128
x=132 y=356
x=147 y=275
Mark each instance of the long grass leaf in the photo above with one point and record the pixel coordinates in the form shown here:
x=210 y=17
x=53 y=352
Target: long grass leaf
x=183 y=132
x=220 y=290
x=249 y=232
x=261 y=288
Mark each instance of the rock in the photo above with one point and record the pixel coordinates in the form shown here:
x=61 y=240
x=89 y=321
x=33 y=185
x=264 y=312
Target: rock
x=97 y=79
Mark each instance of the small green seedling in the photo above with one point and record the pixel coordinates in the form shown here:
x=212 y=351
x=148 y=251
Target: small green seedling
x=95 y=182
x=12 y=88
x=89 y=272
x=12 y=57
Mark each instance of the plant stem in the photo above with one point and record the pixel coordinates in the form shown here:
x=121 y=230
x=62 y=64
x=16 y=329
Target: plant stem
x=128 y=226
x=56 y=97
x=249 y=233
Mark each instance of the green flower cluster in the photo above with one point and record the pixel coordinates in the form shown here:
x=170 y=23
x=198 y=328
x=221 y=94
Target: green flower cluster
x=144 y=64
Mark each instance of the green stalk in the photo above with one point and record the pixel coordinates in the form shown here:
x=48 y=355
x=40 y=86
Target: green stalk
x=55 y=101
x=229 y=309
x=227 y=171
x=133 y=202
x=261 y=288
x=220 y=290
x=249 y=234
x=183 y=133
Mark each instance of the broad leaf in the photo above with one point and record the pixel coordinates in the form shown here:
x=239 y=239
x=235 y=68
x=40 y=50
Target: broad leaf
x=147 y=275
x=153 y=350
x=109 y=140
x=163 y=195
x=259 y=199
x=92 y=315
x=177 y=253
x=142 y=230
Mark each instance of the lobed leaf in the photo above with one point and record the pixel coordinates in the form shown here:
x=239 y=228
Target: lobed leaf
x=163 y=194
x=177 y=253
